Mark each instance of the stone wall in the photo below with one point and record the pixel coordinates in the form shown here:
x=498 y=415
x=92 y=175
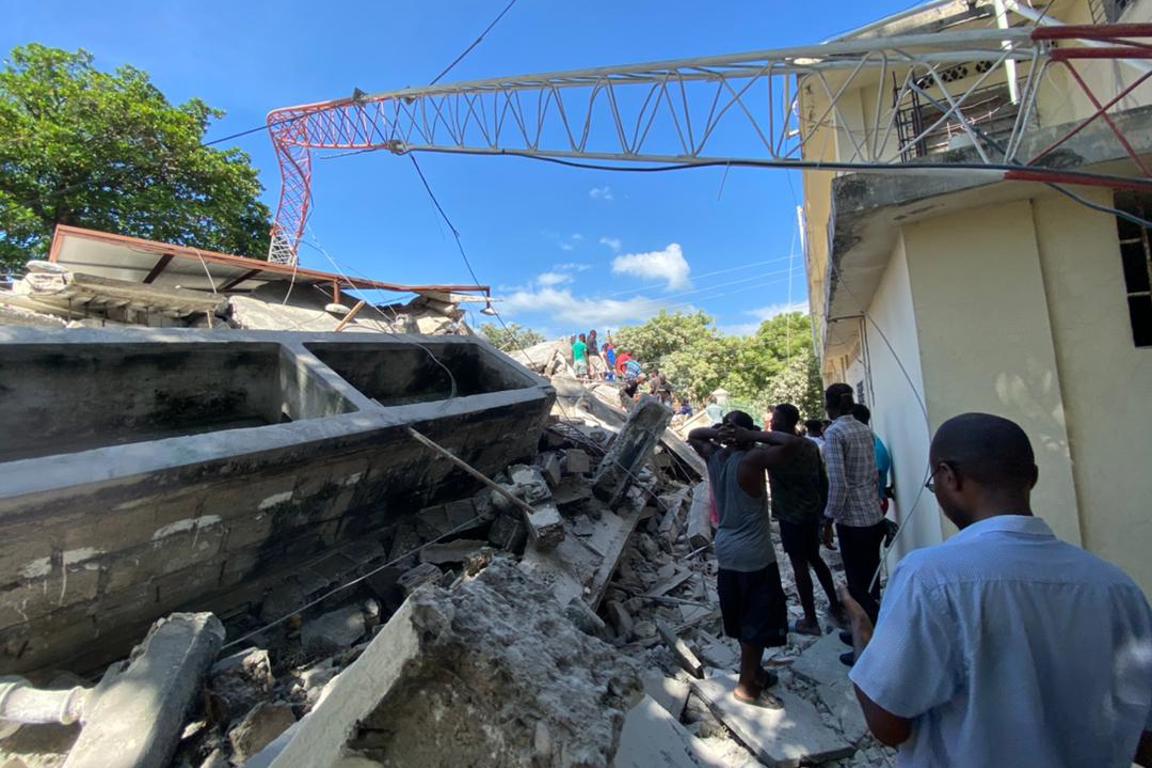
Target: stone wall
x=94 y=545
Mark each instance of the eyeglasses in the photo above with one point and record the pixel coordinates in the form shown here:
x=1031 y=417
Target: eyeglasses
x=931 y=484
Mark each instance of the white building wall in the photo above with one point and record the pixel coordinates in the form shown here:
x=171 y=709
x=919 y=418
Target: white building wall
x=897 y=416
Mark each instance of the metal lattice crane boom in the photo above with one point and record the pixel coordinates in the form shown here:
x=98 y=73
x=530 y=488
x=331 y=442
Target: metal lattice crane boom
x=735 y=109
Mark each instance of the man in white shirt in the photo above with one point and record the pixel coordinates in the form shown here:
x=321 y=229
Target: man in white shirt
x=1004 y=646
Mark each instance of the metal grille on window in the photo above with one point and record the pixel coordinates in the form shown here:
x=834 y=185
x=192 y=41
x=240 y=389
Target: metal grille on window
x=1136 y=253
x=1108 y=11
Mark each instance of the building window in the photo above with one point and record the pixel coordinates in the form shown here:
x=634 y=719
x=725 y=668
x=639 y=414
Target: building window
x=1136 y=253
x=860 y=391
x=1109 y=11
x=988 y=110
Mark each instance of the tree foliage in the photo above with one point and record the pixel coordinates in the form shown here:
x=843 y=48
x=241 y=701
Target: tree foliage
x=514 y=337
x=108 y=151
x=687 y=347
x=773 y=365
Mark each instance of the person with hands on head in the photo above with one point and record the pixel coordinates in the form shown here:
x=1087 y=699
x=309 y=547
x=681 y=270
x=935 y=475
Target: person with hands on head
x=1004 y=646
x=752 y=601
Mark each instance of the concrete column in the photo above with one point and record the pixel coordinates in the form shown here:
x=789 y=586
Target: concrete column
x=631 y=448
x=138 y=712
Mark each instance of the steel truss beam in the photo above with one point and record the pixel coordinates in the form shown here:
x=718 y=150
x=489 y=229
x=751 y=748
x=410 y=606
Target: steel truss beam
x=738 y=109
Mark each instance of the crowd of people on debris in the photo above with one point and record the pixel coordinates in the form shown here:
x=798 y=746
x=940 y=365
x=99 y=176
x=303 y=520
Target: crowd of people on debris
x=1002 y=646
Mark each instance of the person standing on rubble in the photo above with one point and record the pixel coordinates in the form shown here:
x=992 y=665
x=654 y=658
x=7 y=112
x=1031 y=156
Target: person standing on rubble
x=580 y=357
x=752 y=600
x=1004 y=646
x=799 y=495
x=595 y=361
x=610 y=360
x=850 y=458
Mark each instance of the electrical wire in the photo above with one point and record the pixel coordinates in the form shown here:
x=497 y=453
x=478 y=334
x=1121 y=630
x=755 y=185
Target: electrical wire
x=346 y=585
x=475 y=43
x=810 y=165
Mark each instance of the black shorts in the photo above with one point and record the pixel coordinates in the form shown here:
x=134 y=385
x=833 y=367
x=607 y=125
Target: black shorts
x=753 y=605
x=801 y=540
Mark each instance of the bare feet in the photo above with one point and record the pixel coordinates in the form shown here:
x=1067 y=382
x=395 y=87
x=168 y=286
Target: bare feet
x=745 y=694
x=806 y=627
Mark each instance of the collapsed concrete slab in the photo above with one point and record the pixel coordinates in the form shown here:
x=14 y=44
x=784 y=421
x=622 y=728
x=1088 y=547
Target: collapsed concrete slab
x=491 y=673
x=631 y=448
x=782 y=735
x=156 y=470
x=139 y=709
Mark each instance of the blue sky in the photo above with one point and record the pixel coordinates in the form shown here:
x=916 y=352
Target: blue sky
x=566 y=249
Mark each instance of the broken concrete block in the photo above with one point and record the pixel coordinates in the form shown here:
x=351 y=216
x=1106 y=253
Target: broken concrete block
x=471 y=660
x=550 y=467
x=242 y=679
x=576 y=462
x=700 y=516
x=508 y=532
x=424 y=573
x=652 y=738
x=310 y=681
x=631 y=448
x=263 y=723
x=545 y=526
x=528 y=483
x=127 y=729
x=572 y=492
x=784 y=736
x=685 y=657
x=673 y=506
x=584 y=618
x=334 y=631
x=668 y=692
x=456 y=551
x=620 y=619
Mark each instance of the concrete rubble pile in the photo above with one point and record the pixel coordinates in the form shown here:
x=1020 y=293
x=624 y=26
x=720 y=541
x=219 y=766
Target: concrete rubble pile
x=51 y=295
x=567 y=616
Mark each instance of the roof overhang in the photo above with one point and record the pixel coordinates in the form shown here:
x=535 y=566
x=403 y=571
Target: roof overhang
x=868 y=209
x=170 y=266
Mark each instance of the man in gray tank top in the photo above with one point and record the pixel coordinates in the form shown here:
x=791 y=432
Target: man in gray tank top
x=752 y=600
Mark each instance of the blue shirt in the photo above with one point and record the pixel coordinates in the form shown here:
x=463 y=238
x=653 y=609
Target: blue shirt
x=1008 y=647
x=883 y=463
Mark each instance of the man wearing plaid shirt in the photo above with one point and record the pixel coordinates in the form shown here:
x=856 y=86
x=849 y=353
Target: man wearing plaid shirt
x=853 y=498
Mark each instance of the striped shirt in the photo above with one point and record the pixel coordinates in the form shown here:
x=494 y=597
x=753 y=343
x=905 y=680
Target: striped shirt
x=850 y=458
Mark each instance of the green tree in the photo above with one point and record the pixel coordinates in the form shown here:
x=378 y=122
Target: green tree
x=511 y=339
x=763 y=356
x=108 y=151
x=798 y=383
x=686 y=347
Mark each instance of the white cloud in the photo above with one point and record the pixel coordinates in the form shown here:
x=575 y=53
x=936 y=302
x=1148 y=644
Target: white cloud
x=560 y=306
x=761 y=314
x=612 y=242
x=569 y=243
x=668 y=265
x=601 y=193
x=571 y=266
x=549 y=279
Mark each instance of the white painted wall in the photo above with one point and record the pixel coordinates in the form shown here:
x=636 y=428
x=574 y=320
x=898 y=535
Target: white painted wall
x=896 y=414
x=1106 y=380
x=986 y=338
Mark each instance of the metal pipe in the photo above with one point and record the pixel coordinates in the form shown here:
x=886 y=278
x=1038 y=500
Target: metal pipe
x=23 y=704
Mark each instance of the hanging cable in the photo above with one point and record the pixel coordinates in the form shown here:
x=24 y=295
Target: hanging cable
x=475 y=43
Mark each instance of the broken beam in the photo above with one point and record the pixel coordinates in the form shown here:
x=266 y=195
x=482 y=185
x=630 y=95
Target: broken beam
x=548 y=530
x=684 y=655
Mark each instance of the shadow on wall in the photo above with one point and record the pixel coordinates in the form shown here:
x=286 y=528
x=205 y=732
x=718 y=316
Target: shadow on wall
x=1034 y=398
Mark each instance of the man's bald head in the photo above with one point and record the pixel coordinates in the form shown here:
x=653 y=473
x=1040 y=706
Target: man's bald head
x=990 y=449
